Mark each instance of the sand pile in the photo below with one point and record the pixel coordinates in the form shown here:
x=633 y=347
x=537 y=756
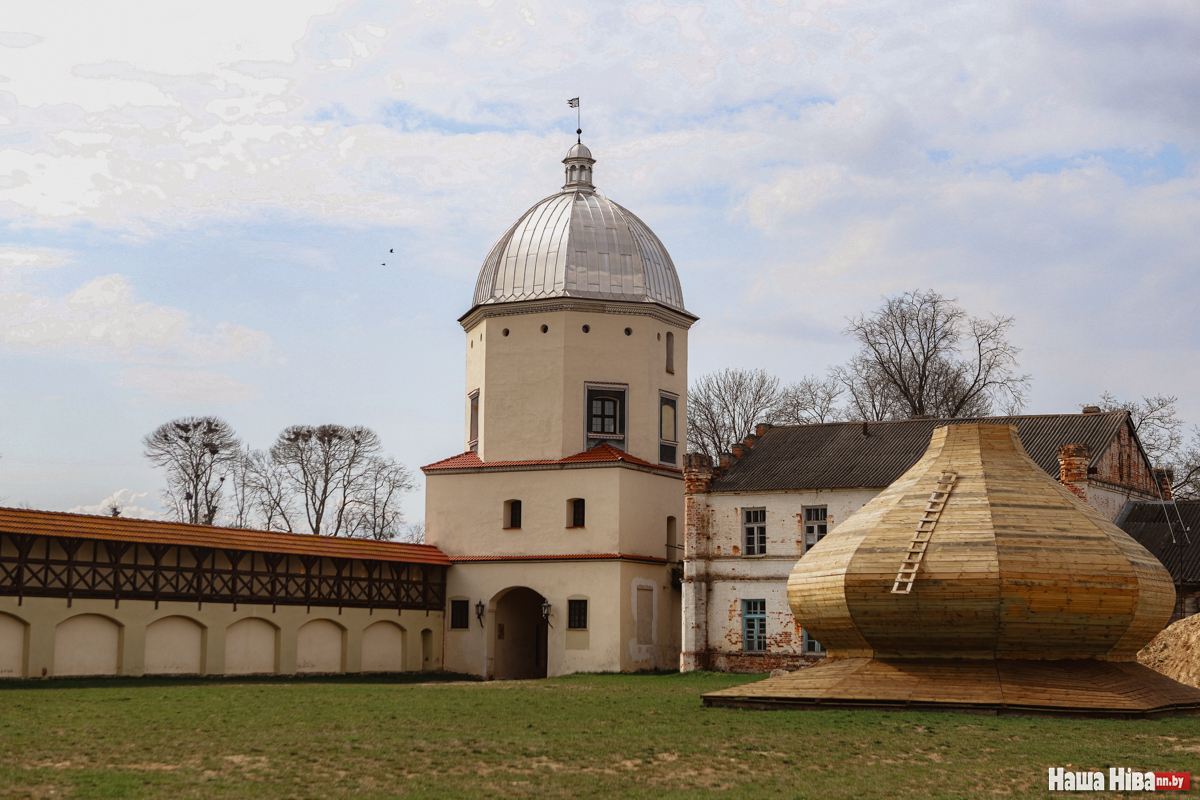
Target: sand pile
x=1176 y=651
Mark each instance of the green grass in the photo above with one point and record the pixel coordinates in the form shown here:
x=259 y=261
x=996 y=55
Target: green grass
x=636 y=736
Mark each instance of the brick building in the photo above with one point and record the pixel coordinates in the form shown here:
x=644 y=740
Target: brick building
x=750 y=517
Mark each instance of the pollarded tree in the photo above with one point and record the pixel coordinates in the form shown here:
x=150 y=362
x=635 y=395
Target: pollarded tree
x=198 y=454
x=920 y=355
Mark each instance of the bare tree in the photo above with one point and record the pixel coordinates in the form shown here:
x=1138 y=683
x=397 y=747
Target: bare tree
x=373 y=509
x=271 y=504
x=809 y=401
x=413 y=533
x=197 y=453
x=921 y=355
x=325 y=467
x=723 y=407
x=1161 y=432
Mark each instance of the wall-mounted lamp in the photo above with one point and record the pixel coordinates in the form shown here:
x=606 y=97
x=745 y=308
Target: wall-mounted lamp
x=546 y=609
x=480 y=609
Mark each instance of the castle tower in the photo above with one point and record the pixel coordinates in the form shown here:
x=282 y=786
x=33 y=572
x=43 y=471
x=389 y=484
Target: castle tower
x=567 y=495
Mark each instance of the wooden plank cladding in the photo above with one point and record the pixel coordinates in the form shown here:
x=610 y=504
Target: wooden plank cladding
x=1080 y=688
x=37 y=564
x=1024 y=597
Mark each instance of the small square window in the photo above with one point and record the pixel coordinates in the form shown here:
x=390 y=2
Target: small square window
x=811 y=645
x=577 y=615
x=460 y=614
x=754 y=525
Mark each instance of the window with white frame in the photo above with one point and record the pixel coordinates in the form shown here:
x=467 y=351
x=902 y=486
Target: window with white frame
x=815 y=526
x=473 y=441
x=754 y=626
x=811 y=645
x=754 y=528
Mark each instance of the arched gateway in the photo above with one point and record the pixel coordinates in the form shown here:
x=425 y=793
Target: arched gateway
x=520 y=632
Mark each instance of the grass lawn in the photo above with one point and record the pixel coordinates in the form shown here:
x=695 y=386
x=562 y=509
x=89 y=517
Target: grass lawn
x=580 y=736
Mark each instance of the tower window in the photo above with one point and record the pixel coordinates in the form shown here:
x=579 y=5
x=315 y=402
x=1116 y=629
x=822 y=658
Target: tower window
x=670 y=352
x=586 y=328
x=605 y=413
x=629 y=331
x=512 y=514
x=460 y=615
x=577 y=615
x=576 y=517
x=755 y=526
x=473 y=441
x=545 y=328
x=668 y=429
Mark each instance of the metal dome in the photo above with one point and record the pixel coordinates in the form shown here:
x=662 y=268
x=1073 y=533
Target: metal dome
x=578 y=243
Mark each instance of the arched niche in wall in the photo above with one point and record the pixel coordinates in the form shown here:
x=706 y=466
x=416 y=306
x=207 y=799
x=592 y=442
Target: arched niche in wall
x=174 y=646
x=251 y=647
x=87 y=644
x=13 y=650
x=383 y=648
x=319 y=647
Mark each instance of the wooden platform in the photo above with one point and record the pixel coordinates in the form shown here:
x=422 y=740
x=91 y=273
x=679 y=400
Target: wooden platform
x=1006 y=687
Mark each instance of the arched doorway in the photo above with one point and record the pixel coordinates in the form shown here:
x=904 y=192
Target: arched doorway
x=519 y=635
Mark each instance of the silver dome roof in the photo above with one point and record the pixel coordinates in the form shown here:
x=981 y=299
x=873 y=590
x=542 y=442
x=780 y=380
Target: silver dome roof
x=578 y=243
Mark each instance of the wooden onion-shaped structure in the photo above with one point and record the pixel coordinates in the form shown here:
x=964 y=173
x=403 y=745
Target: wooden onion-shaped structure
x=978 y=582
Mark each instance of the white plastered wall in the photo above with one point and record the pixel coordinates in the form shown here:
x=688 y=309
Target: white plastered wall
x=48 y=648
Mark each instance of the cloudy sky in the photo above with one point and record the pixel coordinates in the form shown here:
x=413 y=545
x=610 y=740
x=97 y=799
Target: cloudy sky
x=198 y=200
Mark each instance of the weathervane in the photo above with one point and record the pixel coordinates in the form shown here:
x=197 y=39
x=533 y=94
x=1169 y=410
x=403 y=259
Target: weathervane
x=574 y=103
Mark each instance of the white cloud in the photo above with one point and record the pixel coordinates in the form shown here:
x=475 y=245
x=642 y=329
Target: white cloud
x=104 y=320
x=190 y=387
x=128 y=501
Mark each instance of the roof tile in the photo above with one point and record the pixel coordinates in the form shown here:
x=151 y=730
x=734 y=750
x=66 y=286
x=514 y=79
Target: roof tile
x=83 y=526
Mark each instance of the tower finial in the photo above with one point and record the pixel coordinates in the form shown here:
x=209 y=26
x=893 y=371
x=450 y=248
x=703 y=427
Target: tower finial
x=574 y=103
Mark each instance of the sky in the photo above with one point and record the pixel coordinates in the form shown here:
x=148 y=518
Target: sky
x=198 y=202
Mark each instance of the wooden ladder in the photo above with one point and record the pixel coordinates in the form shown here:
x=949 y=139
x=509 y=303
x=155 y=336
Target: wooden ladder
x=920 y=542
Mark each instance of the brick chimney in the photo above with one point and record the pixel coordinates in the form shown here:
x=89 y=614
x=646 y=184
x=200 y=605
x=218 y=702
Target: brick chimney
x=698 y=473
x=750 y=440
x=725 y=459
x=1073 y=467
x=762 y=428
x=738 y=449
x=1165 y=476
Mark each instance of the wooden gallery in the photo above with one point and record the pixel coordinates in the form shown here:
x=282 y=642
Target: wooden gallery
x=83 y=595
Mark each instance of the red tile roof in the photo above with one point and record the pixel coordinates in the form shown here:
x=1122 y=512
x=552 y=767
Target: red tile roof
x=83 y=526
x=601 y=453
x=567 y=557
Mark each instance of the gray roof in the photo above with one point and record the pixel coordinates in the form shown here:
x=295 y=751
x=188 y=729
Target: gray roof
x=1147 y=522
x=836 y=455
x=578 y=243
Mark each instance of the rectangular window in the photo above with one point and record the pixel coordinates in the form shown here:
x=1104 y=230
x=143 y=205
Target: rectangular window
x=754 y=626
x=577 y=615
x=577 y=513
x=668 y=429
x=815 y=526
x=605 y=414
x=755 y=526
x=811 y=645
x=512 y=514
x=460 y=614
x=473 y=441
